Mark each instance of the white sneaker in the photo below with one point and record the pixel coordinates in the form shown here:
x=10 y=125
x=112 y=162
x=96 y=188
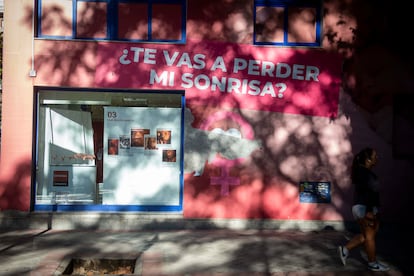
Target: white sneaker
x=342 y=255
x=378 y=267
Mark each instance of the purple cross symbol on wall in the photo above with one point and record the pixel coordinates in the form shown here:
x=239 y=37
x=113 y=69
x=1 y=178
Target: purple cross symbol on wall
x=225 y=180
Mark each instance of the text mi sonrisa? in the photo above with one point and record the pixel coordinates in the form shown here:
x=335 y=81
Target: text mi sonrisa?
x=221 y=84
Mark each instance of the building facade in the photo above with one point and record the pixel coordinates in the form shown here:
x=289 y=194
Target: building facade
x=210 y=109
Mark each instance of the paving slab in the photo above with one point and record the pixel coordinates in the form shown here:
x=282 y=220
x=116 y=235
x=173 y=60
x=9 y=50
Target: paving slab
x=197 y=252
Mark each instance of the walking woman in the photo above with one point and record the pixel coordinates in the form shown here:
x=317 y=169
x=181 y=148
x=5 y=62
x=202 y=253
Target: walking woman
x=365 y=208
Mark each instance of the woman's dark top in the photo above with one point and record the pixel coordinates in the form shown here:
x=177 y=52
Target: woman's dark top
x=366 y=188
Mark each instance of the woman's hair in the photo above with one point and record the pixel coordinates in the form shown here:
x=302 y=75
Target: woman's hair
x=360 y=159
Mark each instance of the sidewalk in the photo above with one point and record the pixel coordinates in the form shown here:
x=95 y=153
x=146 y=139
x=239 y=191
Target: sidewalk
x=198 y=252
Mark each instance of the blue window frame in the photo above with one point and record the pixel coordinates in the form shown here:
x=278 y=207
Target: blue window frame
x=118 y=20
x=68 y=183
x=287 y=23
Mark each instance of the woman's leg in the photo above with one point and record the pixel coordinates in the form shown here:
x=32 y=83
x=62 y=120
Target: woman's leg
x=370 y=228
x=358 y=239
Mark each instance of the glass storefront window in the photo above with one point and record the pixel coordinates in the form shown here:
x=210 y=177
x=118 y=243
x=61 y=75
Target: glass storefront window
x=104 y=150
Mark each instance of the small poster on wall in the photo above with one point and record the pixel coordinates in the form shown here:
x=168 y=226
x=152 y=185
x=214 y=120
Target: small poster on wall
x=137 y=137
x=60 y=178
x=124 y=141
x=113 y=146
x=164 y=136
x=150 y=142
x=315 y=192
x=169 y=155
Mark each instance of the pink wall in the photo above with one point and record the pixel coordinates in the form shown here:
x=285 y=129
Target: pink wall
x=313 y=144
x=17 y=110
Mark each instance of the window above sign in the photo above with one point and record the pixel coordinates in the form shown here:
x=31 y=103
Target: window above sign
x=117 y=20
x=287 y=23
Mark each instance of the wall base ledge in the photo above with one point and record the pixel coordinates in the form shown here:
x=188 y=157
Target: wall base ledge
x=19 y=220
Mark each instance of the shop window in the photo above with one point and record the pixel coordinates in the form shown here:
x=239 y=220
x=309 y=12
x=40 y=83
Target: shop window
x=287 y=23
x=109 y=150
x=118 y=20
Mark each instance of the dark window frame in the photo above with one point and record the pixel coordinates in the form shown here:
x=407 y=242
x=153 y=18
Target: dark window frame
x=286 y=4
x=112 y=21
